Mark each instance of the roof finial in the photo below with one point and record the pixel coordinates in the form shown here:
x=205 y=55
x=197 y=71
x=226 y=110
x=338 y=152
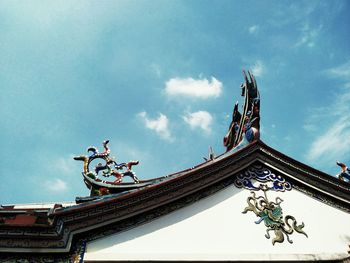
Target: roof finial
x=245 y=127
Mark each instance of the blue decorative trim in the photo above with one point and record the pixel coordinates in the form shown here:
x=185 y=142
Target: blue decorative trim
x=82 y=251
x=261 y=174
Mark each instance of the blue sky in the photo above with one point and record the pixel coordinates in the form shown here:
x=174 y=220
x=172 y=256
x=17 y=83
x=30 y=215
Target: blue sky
x=159 y=79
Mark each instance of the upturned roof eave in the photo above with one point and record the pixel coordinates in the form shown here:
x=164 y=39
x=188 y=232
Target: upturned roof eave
x=183 y=184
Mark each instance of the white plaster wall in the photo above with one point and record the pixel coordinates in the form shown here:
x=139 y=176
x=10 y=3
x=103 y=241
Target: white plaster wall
x=215 y=228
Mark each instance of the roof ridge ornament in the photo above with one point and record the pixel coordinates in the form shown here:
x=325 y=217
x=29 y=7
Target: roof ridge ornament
x=109 y=168
x=245 y=127
x=211 y=155
x=344 y=173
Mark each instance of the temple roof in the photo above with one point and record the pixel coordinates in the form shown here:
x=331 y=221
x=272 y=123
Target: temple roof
x=64 y=230
x=58 y=227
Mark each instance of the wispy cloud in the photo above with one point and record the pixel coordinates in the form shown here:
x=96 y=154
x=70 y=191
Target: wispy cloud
x=200 y=119
x=65 y=165
x=189 y=87
x=55 y=185
x=283 y=14
x=308 y=36
x=156 y=69
x=334 y=143
x=342 y=71
x=258 y=68
x=159 y=125
x=253 y=29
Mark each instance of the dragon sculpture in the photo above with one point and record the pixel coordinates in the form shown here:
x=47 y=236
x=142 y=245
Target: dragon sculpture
x=245 y=127
x=344 y=173
x=109 y=168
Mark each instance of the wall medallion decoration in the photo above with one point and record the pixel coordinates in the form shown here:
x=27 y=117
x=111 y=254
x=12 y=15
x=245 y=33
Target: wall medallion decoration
x=271 y=214
x=259 y=178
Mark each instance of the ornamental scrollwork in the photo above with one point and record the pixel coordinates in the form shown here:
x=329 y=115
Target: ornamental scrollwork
x=261 y=174
x=107 y=167
x=271 y=214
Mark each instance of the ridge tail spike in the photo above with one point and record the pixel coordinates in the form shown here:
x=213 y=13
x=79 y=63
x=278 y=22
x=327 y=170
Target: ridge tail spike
x=211 y=155
x=250 y=76
x=245 y=109
x=254 y=82
x=235 y=108
x=245 y=76
x=252 y=79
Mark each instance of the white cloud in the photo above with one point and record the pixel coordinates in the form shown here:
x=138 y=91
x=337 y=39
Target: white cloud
x=159 y=125
x=200 y=119
x=56 y=185
x=189 y=87
x=258 y=68
x=253 y=29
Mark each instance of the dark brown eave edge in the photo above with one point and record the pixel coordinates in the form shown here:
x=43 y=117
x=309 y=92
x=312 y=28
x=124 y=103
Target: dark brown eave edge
x=305 y=174
x=171 y=179
x=72 y=215
x=97 y=214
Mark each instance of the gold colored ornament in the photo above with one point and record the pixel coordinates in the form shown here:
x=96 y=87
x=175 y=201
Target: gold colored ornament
x=271 y=214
